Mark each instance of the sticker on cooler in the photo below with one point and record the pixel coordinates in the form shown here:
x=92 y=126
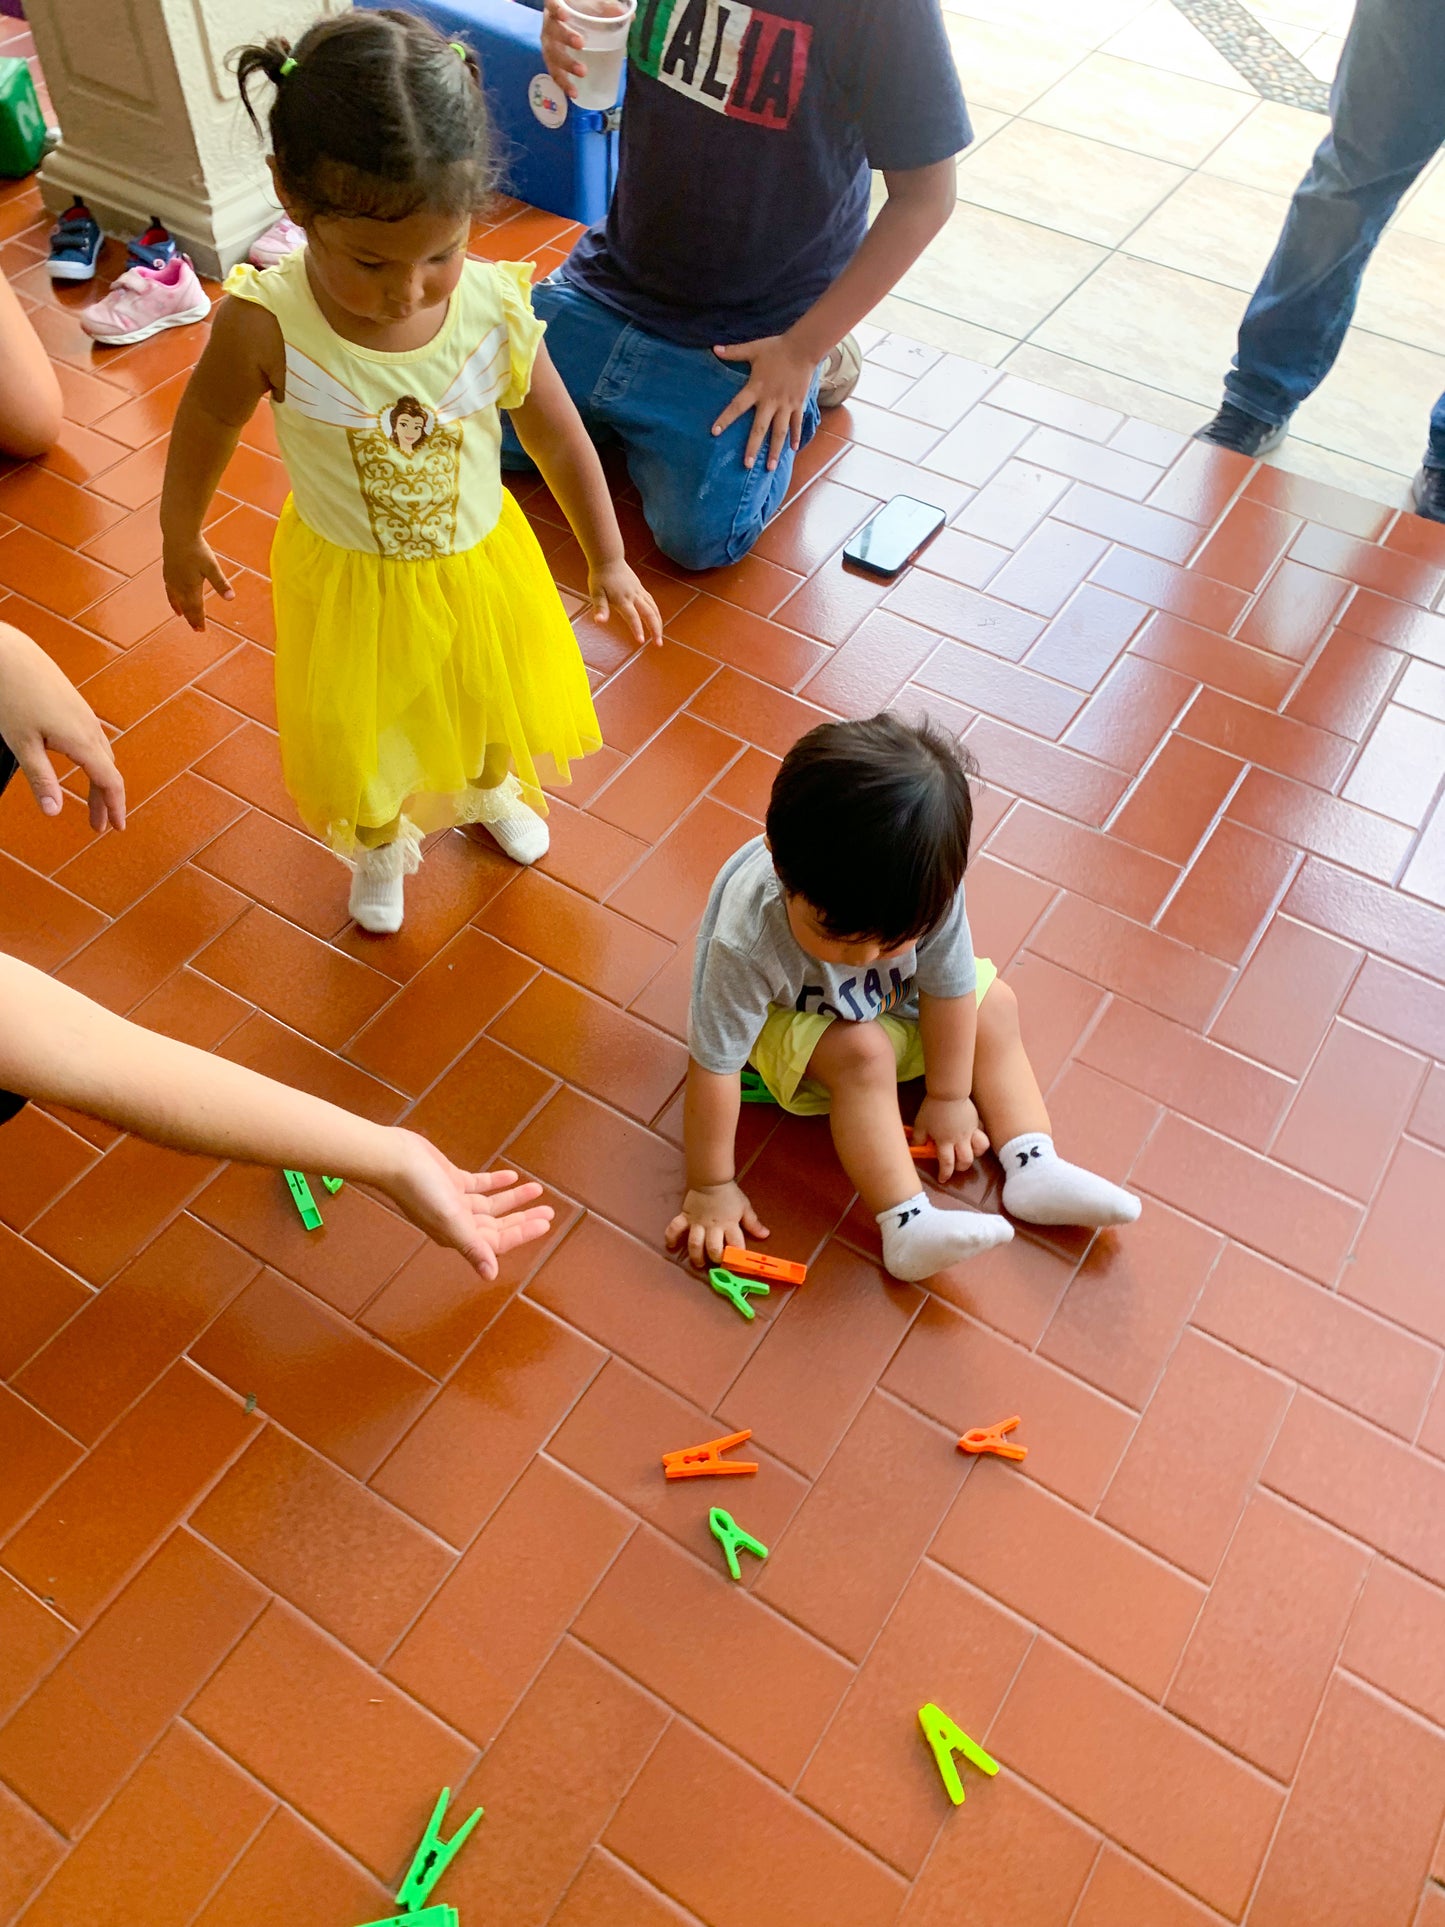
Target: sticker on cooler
x=547 y=100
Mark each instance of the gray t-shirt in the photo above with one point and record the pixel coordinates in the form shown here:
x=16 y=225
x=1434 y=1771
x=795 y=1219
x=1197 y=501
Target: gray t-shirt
x=748 y=959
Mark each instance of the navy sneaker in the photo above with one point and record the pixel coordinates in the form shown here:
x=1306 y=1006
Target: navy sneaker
x=75 y=245
x=1245 y=434
x=1427 y=494
x=153 y=248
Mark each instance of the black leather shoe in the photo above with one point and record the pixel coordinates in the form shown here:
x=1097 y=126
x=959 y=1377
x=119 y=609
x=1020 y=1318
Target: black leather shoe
x=1427 y=493
x=1245 y=434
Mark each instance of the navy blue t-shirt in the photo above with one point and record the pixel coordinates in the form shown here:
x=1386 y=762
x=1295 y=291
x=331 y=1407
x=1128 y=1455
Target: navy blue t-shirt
x=747 y=140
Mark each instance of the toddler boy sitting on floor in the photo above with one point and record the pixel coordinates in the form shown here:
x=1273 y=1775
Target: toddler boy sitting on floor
x=835 y=957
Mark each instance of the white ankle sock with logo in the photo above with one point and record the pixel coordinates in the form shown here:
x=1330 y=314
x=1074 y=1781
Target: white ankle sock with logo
x=919 y=1239
x=1041 y=1188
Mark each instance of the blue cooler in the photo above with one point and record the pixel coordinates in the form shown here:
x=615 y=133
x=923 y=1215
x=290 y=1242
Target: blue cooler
x=568 y=167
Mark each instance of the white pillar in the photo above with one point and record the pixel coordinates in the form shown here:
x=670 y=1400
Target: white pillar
x=149 y=117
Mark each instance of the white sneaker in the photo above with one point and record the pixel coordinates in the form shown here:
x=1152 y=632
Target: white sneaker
x=521 y=833
x=283 y=237
x=377 y=881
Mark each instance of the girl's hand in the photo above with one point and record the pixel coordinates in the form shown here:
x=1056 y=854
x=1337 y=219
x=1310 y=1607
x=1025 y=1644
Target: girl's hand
x=615 y=586
x=714 y=1215
x=776 y=390
x=187 y=569
x=40 y=712
x=475 y=1212
x=952 y=1123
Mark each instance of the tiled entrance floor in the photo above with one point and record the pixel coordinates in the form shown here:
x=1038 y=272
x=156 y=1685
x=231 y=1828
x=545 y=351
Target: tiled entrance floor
x=1202 y=1627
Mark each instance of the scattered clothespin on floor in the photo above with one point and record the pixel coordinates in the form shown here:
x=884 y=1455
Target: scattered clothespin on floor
x=946 y=1739
x=333 y=1185
x=739 y=1290
x=426 y=1917
x=990 y=1438
x=431 y=1860
x=306 y=1204
x=706 y=1461
x=731 y=1537
x=757 y=1264
x=755 y=1091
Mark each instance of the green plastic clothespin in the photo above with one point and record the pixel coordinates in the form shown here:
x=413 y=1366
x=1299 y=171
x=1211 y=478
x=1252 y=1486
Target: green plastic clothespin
x=731 y=1537
x=428 y=1917
x=755 y=1091
x=432 y=1858
x=333 y=1185
x=738 y=1290
x=305 y=1203
x=946 y=1739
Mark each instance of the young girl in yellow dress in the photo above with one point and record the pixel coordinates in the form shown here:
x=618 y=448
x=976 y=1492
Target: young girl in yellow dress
x=424 y=662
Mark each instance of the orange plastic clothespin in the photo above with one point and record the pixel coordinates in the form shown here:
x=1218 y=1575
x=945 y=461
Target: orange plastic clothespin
x=923 y=1153
x=706 y=1461
x=990 y=1438
x=757 y=1264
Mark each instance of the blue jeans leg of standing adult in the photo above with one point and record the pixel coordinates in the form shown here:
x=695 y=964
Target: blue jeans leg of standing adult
x=1387 y=118
x=660 y=400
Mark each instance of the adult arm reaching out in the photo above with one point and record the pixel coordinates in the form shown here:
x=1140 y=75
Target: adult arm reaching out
x=41 y=712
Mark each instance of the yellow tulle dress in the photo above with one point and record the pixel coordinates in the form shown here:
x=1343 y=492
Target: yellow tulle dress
x=422 y=651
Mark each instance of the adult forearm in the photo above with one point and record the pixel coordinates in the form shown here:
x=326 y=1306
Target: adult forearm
x=60 y=1047
x=710 y=1107
x=949 y=1029
x=917 y=208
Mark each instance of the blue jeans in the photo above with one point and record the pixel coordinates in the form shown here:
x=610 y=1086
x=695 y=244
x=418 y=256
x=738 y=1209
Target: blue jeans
x=660 y=401
x=1387 y=118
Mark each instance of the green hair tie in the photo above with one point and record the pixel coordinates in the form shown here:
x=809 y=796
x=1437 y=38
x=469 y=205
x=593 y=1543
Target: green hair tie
x=458 y=49
x=288 y=66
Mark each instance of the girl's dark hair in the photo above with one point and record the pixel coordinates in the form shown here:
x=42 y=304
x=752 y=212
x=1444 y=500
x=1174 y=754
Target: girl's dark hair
x=869 y=822
x=374 y=114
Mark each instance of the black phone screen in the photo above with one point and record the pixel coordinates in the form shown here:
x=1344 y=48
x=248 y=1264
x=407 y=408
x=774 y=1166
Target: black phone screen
x=894 y=536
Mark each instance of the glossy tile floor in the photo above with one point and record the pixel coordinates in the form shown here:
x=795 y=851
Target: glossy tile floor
x=295 y=1530
x=1123 y=170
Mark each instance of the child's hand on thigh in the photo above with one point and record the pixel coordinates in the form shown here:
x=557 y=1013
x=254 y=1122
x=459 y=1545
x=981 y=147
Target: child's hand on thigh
x=952 y=1123
x=714 y=1215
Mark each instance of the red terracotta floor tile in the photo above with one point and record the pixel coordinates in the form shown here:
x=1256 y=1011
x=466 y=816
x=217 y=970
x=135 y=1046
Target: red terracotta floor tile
x=1122 y=956
x=1348 y=906
x=245 y=680
x=36 y=1456
x=1011 y=503
x=1347 y=683
x=60 y=580
x=590 y=943
x=1069 y=454
x=583 y=1726
x=1046 y=773
x=118 y=1206
x=1213 y=605
x=1048 y=566
x=631 y=1299
x=280 y=868
x=1318 y=502
x=1109 y=872
x=41 y=923
x=593 y=1046
x=248 y=766
x=167 y=829
x=28 y=1852
x=750 y=709
x=1086 y=637
x=39 y=1296
x=263 y=1045
x=1225 y=901
x=872 y=1776
x=1371 y=1081
x=1370 y=1485
x=831 y=604
x=440 y=1011
x=1121 y=1889
x=1428 y=1118
x=1389 y=571
x=292 y=1870
x=1286 y=996
x=1177 y=798
x=1020 y=1860
x=42 y=1160
x=135 y=957
x=1167 y=536
x=1253 y=1199
x=1202 y=482
x=630 y=1176
x=1256 y=1669
x=480 y=1643
x=1296 y=609
x=80 y=1735
x=162 y=1845
x=1158 y=1788
x=958 y=1373
x=964 y=614
x=605 y=1894
x=962 y=558
x=1395 y=1272
x=309 y=1720
x=745 y=1839
x=1399 y=1005
x=124 y=1338
x=1357 y=1833
x=866 y=672
x=1246 y=544
x=1396 y=1639
x=814 y=526
x=1000 y=689
x=654 y=686
x=500 y=1407
x=1189 y=1073
x=80 y=1544
x=1201 y=655
x=1127 y=717
x=1396 y=623
x=299 y=980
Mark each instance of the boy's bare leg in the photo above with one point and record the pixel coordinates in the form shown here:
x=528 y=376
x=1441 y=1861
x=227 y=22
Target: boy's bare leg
x=855 y=1063
x=1039 y=1186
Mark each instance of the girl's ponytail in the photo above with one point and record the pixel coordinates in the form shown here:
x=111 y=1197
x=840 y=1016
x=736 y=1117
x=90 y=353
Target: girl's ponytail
x=267 y=58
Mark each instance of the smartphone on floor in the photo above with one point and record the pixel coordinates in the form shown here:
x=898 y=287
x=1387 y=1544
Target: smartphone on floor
x=895 y=535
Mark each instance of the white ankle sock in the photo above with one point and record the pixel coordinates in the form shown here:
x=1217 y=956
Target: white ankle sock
x=1041 y=1188
x=517 y=828
x=919 y=1239
x=377 y=878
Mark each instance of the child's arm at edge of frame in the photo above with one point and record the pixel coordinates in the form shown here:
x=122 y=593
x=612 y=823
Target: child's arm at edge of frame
x=243 y=360
x=716 y=1210
x=550 y=429
x=58 y=1046
x=949 y=1030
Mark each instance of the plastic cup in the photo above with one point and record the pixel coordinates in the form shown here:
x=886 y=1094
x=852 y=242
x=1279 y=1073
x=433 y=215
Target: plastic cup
x=604 y=43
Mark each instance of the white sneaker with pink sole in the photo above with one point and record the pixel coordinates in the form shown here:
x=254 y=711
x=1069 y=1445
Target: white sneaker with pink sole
x=143 y=301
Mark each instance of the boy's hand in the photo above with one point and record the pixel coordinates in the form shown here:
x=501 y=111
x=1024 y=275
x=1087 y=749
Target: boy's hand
x=776 y=390
x=560 y=46
x=714 y=1215
x=616 y=586
x=952 y=1123
x=187 y=569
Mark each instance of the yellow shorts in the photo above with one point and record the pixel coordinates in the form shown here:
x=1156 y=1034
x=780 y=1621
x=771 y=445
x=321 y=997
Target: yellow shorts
x=788 y=1039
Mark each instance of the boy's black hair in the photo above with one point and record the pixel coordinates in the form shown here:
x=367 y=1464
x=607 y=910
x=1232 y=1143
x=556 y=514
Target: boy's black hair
x=374 y=114
x=869 y=822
